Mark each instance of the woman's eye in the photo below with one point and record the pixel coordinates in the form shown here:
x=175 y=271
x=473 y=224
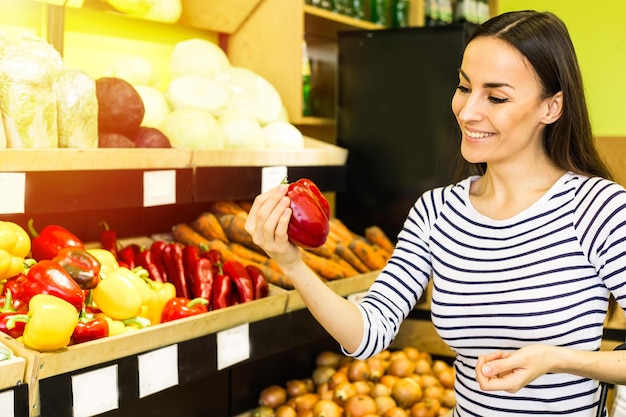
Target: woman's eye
x=463 y=89
x=496 y=100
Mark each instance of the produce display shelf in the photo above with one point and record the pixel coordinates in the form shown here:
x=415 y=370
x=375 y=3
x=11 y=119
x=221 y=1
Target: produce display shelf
x=315 y=152
x=12 y=386
x=42 y=365
x=12 y=372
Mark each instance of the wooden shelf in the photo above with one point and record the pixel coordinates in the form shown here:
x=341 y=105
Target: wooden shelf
x=325 y=23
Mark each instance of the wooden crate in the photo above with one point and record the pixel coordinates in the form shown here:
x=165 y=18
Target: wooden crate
x=12 y=372
x=343 y=287
x=41 y=365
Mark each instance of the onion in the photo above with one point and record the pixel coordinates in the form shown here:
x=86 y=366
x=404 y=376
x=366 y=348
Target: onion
x=273 y=396
x=296 y=387
x=395 y=412
x=360 y=405
x=358 y=370
x=427 y=408
x=384 y=403
x=322 y=374
x=343 y=391
x=306 y=401
x=328 y=358
x=286 y=411
x=401 y=367
x=327 y=408
x=406 y=392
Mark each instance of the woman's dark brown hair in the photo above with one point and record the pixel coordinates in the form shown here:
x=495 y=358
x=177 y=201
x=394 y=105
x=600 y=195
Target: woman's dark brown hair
x=543 y=39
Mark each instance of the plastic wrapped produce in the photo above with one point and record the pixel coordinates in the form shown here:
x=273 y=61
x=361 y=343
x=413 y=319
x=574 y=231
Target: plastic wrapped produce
x=77 y=109
x=28 y=68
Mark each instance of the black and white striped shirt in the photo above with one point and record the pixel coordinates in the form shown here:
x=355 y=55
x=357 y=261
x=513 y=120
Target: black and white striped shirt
x=542 y=276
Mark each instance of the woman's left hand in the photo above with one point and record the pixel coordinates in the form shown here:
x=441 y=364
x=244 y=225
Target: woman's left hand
x=510 y=372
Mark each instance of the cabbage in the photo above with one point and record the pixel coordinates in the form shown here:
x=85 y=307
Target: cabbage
x=192 y=128
x=282 y=135
x=131 y=6
x=155 y=104
x=242 y=132
x=197 y=57
x=28 y=69
x=134 y=70
x=197 y=91
x=77 y=109
x=251 y=94
x=166 y=11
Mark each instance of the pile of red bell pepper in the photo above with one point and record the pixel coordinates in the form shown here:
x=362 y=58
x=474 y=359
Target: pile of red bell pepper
x=197 y=273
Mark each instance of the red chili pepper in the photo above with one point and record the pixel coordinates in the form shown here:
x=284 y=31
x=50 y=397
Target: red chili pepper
x=108 y=239
x=259 y=282
x=145 y=259
x=181 y=307
x=310 y=213
x=89 y=327
x=191 y=254
x=48 y=277
x=175 y=270
x=241 y=279
x=157 y=256
x=10 y=307
x=82 y=266
x=213 y=255
x=222 y=290
x=51 y=239
x=202 y=278
x=128 y=253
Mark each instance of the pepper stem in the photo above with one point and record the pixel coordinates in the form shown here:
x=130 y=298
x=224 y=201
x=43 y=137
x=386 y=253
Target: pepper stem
x=284 y=181
x=10 y=323
x=31 y=228
x=8 y=303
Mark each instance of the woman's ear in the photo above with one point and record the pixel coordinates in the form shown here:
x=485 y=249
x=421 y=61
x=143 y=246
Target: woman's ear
x=554 y=107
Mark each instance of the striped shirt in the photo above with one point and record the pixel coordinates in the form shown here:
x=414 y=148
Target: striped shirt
x=542 y=276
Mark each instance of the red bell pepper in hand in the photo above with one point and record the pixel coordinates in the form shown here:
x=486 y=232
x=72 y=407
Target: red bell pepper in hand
x=48 y=277
x=10 y=307
x=82 y=266
x=175 y=269
x=47 y=243
x=181 y=307
x=157 y=248
x=240 y=277
x=127 y=255
x=145 y=259
x=222 y=289
x=310 y=213
x=108 y=239
x=259 y=282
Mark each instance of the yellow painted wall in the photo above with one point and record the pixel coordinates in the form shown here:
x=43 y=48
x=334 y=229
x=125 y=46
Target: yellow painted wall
x=599 y=34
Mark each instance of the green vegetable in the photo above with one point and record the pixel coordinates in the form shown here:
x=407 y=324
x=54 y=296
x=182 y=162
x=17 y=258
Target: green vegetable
x=193 y=128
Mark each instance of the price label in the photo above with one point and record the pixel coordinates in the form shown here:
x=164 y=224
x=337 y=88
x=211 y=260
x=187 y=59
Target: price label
x=13 y=190
x=88 y=401
x=272 y=176
x=159 y=188
x=7 y=404
x=233 y=346
x=158 y=370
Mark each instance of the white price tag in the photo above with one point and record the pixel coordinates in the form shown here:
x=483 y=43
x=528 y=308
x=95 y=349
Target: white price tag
x=272 y=176
x=88 y=401
x=159 y=188
x=158 y=370
x=233 y=346
x=7 y=404
x=13 y=189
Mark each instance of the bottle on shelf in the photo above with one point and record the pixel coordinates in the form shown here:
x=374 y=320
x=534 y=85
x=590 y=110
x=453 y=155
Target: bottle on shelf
x=431 y=12
x=358 y=9
x=400 y=13
x=380 y=12
x=306 y=81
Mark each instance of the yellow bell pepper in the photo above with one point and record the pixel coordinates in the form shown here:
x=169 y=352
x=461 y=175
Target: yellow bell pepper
x=14 y=247
x=118 y=296
x=50 y=323
x=162 y=292
x=107 y=260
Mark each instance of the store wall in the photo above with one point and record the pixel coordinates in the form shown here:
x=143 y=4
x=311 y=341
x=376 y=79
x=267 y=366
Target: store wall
x=599 y=35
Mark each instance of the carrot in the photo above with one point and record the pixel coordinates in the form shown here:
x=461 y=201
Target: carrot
x=208 y=225
x=377 y=236
x=348 y=270
x=349 y=256
x=364 y=251
x=335 y=237
x=253 y=256
x=340 y=229
x=323 y=250
x=323 y=267
x=246 y=205
x=222 y=207
x=382 y=252
x=234 y=227
x=183 y=233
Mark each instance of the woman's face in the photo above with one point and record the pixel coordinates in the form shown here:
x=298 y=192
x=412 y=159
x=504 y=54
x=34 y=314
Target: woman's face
x=498 y=104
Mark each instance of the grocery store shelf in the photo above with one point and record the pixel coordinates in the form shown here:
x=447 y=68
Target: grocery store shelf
x=320 y=21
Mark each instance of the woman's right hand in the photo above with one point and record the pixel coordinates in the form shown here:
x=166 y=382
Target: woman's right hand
x=267 y=223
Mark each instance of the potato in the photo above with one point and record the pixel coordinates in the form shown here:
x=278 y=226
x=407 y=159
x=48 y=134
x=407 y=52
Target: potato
x=150 y=137
x=120 y=107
